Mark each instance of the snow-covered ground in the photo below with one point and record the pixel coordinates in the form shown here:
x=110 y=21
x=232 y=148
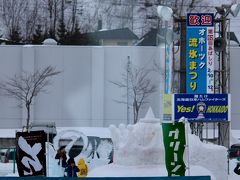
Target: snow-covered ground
x=6 y=169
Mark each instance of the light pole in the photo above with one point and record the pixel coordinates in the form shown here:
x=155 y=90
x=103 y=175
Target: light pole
x=128 y=108
x=166 y=14
x=224 y=69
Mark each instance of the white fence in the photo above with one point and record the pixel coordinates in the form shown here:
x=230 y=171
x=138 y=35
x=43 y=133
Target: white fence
x=82 y=94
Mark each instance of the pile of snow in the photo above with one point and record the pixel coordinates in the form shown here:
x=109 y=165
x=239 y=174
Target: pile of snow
x=49 y=41
x=140 y=146
x=212 y=157
x=114 y=170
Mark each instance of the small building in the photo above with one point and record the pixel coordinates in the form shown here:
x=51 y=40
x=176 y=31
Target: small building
x=114 y=37
x=149 y=39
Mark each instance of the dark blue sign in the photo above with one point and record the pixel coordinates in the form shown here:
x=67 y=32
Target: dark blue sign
x=200 y=19
x=202 y=107
x=199 y=53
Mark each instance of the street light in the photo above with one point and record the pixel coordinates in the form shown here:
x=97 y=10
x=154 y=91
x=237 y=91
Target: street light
x=224 y=61
x=235 y=8
x=225 y=9
x=166 y=14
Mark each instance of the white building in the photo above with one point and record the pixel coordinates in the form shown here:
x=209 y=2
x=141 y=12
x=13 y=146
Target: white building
x=82 y=94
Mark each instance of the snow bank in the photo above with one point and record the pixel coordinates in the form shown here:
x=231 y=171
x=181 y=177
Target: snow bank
x=210 y=156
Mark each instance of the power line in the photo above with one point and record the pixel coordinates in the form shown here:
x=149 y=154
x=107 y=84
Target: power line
x=156 y=4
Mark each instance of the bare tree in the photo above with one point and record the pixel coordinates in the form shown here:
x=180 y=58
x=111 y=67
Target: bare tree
x=53 y=7
x=26 y=86
x=30 y=20
x=139 y=87
x=12 y=12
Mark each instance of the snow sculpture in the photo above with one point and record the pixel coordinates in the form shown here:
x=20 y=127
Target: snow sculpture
x=53 y=169
x=94 y=156
x=139 y=151
x=74 y=136
x=139 y=144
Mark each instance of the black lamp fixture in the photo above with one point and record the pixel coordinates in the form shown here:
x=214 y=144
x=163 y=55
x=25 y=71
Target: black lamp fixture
x=225 y=9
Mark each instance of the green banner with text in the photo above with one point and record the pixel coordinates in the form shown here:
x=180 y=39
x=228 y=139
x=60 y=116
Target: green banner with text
x=174 y=142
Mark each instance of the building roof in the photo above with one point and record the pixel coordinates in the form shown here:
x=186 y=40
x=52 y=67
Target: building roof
x=124 y=33
x=234 y=38
x=149 y=39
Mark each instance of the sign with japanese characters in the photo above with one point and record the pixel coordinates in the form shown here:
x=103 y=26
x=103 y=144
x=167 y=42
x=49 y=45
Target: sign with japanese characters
x=202 y=107
x=174 y=143
x=30 y=158
x=200 y=53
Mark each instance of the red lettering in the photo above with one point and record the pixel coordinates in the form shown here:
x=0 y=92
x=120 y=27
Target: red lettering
x=210 y=31
x=206 y=20
x=194 y=20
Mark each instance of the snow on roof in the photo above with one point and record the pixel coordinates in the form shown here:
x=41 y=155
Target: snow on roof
x=50 y=41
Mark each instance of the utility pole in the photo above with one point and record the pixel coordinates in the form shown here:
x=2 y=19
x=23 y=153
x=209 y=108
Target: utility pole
x=128 y=108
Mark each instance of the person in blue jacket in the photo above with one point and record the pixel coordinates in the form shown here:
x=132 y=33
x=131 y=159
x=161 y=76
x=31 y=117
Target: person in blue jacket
x=71 y=169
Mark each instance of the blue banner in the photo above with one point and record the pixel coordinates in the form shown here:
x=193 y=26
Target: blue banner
x=202 y=107
x=199 y=53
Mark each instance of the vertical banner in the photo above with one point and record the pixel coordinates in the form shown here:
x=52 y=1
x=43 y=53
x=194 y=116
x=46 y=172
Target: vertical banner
x=200 y=53
x=30 y=157
x=174 y=143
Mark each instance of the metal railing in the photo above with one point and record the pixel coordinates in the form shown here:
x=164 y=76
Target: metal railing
x=8 y=155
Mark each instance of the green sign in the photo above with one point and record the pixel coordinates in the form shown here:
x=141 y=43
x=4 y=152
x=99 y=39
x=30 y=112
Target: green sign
x=174 y=143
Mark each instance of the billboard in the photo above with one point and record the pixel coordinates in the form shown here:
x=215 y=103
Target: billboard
x=200 y=53
x=31 y=152
x=202 y=107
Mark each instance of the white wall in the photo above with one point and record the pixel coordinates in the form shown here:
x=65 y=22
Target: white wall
x=10 y=63
x=234 y=87
x=82 y=94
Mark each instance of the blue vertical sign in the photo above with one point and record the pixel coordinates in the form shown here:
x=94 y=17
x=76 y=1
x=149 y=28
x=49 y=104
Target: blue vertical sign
x=199 y=53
